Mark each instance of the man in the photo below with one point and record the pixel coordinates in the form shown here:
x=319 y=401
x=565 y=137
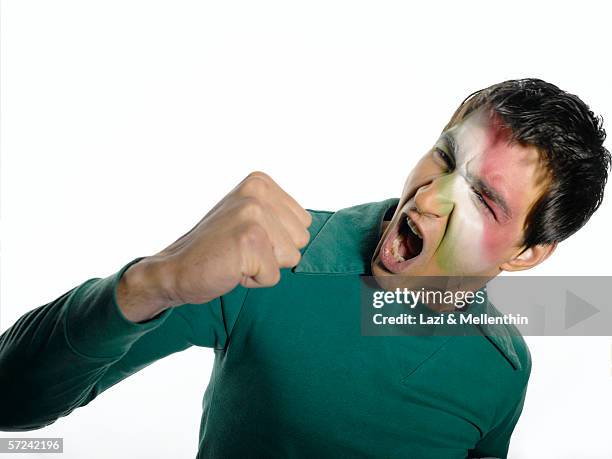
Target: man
x=520 y=167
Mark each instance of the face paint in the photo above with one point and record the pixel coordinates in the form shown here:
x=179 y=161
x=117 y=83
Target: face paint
x=461 y=249
x=466 y=228
x=481 y=226
x=518 y=178
x=464 y=231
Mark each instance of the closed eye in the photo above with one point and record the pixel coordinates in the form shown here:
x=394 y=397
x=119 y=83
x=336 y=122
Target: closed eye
x=448 y=160
x=482 y=202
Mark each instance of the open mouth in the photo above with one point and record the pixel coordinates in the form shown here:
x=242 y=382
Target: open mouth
x=402 y=245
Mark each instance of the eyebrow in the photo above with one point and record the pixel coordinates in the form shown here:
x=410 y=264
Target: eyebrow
x=477 y=182
x=491 y=193
x=451 y=142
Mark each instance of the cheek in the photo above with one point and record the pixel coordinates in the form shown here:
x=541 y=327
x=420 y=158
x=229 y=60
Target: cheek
x=496 y=240
x=462 y=246
x=473 y=241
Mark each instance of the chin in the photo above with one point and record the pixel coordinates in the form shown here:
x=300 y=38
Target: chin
x=415 y=277
x=410 y=278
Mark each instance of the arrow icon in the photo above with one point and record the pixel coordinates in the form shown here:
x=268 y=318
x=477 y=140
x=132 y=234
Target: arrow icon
x=577 y=310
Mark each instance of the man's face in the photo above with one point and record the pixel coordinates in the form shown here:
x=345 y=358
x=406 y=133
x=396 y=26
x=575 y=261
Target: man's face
x=468 y=197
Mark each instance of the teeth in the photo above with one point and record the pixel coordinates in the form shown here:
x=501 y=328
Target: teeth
x=395 y=249
x=413 y=227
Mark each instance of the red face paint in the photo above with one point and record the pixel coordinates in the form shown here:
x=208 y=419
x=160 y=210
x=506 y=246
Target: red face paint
x=505 y=167
x=461 y=237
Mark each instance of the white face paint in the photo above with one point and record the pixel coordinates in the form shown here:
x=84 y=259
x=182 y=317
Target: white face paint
x=460 y=250
x=492 y=180
x=469 y=197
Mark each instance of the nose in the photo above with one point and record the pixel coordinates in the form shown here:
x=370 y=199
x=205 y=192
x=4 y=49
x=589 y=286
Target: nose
x=435 y=198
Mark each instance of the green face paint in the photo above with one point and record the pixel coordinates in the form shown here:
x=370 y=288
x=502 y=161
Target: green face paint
x=468 y=198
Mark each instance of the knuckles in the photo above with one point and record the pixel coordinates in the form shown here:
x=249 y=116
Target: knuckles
x=252 y=234
x=251 y=208
x=302 y=240
x=308 y=220
x=259 y=174
x=255 y=184
x=252 y=196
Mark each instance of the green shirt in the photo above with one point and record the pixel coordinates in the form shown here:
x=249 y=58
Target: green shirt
x=293 y=375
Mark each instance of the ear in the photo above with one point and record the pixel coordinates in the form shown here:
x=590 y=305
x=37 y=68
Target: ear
x=529 y=258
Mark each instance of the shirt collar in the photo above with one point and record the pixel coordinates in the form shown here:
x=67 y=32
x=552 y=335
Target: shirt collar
x=346 y=240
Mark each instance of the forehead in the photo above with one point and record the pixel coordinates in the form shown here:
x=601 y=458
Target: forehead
x=484 y=148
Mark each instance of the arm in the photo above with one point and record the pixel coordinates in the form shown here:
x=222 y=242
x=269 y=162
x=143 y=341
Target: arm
x=60 y=356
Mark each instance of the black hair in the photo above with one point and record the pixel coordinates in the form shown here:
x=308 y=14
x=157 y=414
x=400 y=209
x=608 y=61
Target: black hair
x=570 y=140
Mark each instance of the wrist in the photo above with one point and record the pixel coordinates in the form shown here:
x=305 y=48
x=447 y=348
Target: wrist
x=140 y=291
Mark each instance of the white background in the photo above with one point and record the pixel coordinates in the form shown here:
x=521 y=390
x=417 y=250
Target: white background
x=123 y=122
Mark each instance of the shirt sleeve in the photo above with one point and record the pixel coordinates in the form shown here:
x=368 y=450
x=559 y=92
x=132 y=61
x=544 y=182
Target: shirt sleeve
x=496 y=442
x=63 y=354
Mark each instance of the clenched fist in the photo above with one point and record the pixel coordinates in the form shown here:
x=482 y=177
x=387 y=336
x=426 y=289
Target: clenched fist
x=245 y=239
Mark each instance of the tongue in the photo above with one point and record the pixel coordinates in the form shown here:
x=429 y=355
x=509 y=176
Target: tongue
x=410 y=245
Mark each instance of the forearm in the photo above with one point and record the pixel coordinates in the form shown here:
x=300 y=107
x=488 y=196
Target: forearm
x=53 y=356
